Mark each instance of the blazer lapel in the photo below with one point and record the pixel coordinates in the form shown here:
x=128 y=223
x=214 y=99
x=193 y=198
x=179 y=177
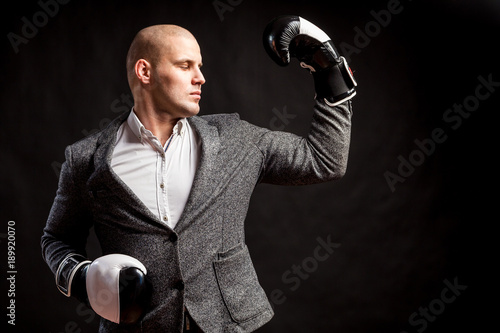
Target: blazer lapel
x=104 y=178
x=103 y=153
x=203 y=190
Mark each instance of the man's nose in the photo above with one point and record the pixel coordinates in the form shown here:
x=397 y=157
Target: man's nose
x=199 y=78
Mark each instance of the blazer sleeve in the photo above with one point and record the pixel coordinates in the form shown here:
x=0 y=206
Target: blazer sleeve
x=321 y=156
x=69 y=220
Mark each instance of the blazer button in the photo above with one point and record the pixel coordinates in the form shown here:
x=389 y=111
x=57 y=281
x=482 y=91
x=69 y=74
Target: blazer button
x=179 y=285
x=173 y=237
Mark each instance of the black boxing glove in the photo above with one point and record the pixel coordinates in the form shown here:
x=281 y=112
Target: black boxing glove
x=293 y=36
x=115 y=286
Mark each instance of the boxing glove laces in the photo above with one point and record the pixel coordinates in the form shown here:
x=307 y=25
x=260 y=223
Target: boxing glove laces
x=293 y=36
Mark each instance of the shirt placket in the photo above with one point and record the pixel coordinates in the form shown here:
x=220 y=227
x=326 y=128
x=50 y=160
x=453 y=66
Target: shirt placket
x=161 y=180
x=162 y=188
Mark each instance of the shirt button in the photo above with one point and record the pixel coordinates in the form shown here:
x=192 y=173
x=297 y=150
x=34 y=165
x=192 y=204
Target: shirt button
x=162 y=185
x=165 y=218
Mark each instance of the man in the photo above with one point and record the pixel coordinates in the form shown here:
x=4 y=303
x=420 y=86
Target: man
x=168 y=191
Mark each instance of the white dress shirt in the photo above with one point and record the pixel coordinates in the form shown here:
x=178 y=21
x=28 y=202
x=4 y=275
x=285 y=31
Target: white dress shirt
x=161 y=176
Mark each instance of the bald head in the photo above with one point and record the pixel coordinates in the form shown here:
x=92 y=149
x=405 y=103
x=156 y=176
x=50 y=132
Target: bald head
x=151 y=44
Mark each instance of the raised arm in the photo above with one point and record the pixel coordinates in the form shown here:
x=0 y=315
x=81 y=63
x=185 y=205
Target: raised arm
x=322 y=155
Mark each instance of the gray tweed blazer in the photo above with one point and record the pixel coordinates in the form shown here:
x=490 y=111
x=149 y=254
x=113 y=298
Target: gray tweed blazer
x=203 y=264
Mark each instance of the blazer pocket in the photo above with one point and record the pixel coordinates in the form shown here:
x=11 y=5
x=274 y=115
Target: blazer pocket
x=239 y=285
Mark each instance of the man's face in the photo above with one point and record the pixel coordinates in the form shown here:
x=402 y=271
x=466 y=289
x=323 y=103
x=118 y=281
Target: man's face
x=177 y=78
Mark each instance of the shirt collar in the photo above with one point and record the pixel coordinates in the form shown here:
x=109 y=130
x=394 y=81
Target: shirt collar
x=139 y=130
x=180 y=127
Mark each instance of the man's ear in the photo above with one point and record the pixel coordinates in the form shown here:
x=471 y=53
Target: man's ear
x=143 y=71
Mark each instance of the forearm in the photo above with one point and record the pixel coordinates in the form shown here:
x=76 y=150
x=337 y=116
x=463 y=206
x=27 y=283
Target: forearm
x=63 y=259
x=329 y=138
x=67 y=228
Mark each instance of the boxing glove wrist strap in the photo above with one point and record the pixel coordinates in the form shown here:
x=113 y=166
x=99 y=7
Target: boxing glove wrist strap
x=336 y=84
x=66 y=271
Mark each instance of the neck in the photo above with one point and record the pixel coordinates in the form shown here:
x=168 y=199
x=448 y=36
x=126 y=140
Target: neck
x=161 y=124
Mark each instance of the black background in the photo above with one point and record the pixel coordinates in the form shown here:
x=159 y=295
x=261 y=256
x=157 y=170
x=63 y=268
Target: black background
x=396 y=246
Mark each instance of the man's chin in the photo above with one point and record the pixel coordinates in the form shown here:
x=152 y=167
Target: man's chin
x=190 y=113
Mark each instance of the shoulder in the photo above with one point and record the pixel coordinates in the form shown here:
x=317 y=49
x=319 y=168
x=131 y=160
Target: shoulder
x=87 y=144
x=221 y=120
x=86 y=147
x=228 y=124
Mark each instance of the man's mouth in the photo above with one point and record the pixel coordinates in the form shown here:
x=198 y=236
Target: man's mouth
x=196 y=93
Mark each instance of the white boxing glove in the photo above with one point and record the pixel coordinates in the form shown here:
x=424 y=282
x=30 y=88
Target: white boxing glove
x=114 y=284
